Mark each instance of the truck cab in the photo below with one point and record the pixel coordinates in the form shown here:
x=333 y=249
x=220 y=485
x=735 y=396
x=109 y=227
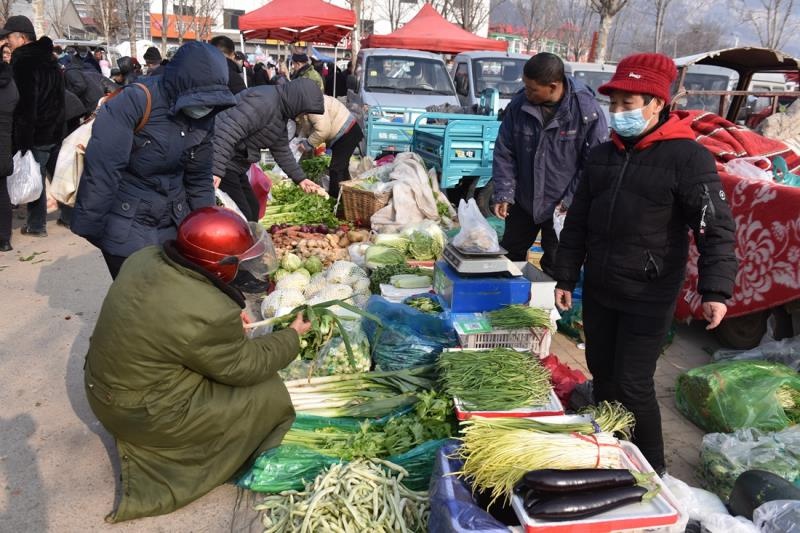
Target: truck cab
x=389 y=77
x=474 y=72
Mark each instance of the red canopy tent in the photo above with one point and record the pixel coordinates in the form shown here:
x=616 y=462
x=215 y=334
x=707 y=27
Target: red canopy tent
x=430 y=31
x=298 y=20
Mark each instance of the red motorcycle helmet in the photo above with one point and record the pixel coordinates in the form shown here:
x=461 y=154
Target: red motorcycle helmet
x=220 y=241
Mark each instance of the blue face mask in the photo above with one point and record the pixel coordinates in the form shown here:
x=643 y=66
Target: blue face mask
x=197 y=111
x=629 y=123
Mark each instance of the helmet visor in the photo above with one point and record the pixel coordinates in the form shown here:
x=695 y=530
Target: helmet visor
x=260 y=259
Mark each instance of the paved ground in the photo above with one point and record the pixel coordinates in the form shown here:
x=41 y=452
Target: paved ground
x=57 y=464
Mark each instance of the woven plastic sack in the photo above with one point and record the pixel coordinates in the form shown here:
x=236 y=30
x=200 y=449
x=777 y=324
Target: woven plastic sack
x=25 y=183
x=726 y=396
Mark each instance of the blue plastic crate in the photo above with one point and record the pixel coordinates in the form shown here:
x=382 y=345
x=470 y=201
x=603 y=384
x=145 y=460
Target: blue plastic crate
x=478 y=294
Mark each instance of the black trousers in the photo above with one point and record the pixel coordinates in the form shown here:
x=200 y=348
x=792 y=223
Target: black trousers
x=341 y=152
x=237 y=186
x=621 y=352
x=521 y=232
x=5 y=211
x=114 y=263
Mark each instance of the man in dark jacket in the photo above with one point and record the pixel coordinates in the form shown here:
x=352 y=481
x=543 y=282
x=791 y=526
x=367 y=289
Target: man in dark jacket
x=137 y=187
x=546 y=134
x=235 y=79
x=39 y=115
x=129 y=70
x=152 y=59
x=259 y=122
x=80 y=80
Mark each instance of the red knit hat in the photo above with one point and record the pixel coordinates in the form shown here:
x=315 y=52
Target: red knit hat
x=643 y=74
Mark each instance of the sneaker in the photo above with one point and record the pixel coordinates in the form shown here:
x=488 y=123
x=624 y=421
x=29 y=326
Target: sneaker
x=40 y=233
x=5 y=246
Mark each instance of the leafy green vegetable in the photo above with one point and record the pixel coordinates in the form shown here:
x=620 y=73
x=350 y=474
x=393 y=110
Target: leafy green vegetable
x=392 y=240
x=426 y=304
x=421 y=246
x=313 y=264
x=291 y=262
x=290 y=205
x=410 y=281
x=426 y=240
x=519 y=317
x=384 y=275
x=315 y=167
x=378 y=256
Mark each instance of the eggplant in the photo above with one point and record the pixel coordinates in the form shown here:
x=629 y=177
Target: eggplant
x=550 y=480
x=583 y=504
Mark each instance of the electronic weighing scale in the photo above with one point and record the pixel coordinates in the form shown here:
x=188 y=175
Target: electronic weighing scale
x=480 y=264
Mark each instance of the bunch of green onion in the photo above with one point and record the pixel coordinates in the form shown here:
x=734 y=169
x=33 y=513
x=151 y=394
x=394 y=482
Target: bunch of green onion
x=519 y=317
x=497 y=379
x=364 y=395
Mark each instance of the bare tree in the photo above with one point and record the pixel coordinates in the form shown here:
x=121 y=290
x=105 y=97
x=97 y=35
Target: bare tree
x=470 y=14
x=5 y=10
x=607 y=10
x=54 y=15
x=660 y=7
x=355 y=37
x=771 y=21
x=130 y=11
x=394 y=11
x=104 y=13
x=578 y=18
x=537 y=18
x=205 y=13
x=184 y=18
x=697 y=37
x=164 y=27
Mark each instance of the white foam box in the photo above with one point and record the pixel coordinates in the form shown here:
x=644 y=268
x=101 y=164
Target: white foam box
x=542 y=286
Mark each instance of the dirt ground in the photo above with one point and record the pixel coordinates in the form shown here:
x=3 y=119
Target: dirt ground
x=58 y=466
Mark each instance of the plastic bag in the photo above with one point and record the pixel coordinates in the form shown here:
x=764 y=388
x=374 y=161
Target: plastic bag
x=408 y=338
x=453 y=508
x=476 y=235
x=779 y=516
x=747 y=167
x=725 y=523
x=559 y=217
x=564 y=378
x=724 y=456
x=69 y=165
x=227 y=202
x=358 y=252
x=332 y=358
x=697 y=503
x=261 y=186
x=737 y=394
x=786 y=351
x=25 y=183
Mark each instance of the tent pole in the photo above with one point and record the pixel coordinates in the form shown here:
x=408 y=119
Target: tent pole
x=244 y=71
x=335 y=57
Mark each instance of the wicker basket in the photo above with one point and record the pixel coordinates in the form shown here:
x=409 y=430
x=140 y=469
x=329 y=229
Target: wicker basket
x=360 y=205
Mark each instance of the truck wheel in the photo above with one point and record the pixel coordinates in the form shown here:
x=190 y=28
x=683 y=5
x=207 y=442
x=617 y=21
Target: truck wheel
x=743 y=332
x=483 y=197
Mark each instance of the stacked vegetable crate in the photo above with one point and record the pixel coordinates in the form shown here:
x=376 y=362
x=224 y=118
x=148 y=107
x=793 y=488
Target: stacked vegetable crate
x=536 y=340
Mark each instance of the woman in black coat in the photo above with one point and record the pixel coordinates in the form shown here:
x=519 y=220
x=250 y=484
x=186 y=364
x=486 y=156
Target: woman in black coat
x=628 y=225
x=8 y=101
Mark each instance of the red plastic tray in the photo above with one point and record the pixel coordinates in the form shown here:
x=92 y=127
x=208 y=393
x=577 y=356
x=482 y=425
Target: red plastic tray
x=552 y=408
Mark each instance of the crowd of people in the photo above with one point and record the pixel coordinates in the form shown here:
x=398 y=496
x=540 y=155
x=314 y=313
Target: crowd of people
x=137 y=113
x=171 y=374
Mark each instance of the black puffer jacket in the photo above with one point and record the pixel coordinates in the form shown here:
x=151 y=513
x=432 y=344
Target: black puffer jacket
x=39 y=117
x=235 y=80
x=630 y=216
x=8 y=101
x=84 y=84
x=259 y=122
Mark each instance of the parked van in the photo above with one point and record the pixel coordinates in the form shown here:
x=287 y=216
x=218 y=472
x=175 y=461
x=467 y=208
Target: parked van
x=592 y=74
x=474 y=72
x=389 y=77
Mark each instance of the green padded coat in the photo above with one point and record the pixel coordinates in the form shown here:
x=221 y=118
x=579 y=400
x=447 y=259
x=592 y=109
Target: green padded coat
x=172 y=376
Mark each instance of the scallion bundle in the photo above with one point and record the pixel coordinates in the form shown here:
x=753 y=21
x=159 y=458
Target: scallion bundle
x=500 y=379
x=496 y=459
x=519 y=317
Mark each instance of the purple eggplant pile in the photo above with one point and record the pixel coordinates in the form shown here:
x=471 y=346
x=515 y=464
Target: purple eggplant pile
x=551 y=494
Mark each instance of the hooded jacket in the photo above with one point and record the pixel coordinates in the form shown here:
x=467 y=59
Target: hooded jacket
x=80 y=80
x=127 y=67
x=309 y=72
x=630 y=216
x=136 y=188
x=235 y=80
x=328 y=127
x=259 y=122
x=536 y=166
x=173 y=377
x=39 y=116
x=8 y=101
